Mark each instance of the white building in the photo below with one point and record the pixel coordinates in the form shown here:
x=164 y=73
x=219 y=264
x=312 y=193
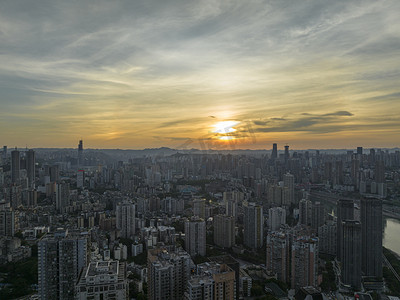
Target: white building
x=103 y=280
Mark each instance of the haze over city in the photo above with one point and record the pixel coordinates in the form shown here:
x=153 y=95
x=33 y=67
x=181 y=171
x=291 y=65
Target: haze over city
x=137 y=74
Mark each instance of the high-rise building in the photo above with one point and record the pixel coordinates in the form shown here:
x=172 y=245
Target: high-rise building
x=80 y=177
x=7 y=222
x=287 y=155
x=15 y=165
x=359 y=150
x=317 y=215
x=274 y=154
x=103 y=280
x=276 y=218
x=168 y=274
x=213 y=282
x=305 y=212
x=277 y=248
x=288 y=182
x=224 y=231
x=125 y=217
x=253 y=225
x=199 y=208
x=61 y=257
x=304 y=264
x=80 y=153
x=371 y=237
x=54 y=173
x=195 y=236
x=327 y=238
x=345 y=211
x=30 y=168
x=62 y=196
x=351 y=259
x=4 y=153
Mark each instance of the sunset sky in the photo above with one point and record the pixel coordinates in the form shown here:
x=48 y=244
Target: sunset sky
x=180 y=73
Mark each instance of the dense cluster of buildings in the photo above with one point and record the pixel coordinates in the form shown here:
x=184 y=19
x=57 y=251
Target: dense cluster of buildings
x=91 y=213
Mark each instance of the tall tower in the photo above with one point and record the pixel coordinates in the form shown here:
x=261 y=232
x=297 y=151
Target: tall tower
x=287 y=155
x=125 y=213
x=253 y=225
x=345 y=211
x=30 y=168
x=274 y=154
x=80 y=153
x=195 y=237
x=15 y=165
x=371 y=237
x=351 y=261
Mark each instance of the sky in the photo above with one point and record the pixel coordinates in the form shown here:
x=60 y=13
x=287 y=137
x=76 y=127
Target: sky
x=200 y=74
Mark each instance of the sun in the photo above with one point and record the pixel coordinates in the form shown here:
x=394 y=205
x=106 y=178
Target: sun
x=224 y=127
x=224 y=130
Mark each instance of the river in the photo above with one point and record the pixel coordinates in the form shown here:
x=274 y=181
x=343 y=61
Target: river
x=391 y=235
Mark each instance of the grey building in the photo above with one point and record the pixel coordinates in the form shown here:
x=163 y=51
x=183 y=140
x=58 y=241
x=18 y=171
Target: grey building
x=345 y=211
x=253 y=225
x=351 y=259
x=195 y=236
x=371 y=238
x=224 y=231
x=61 y=257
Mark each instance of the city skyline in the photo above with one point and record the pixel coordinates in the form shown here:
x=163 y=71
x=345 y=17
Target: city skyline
x=224 y=74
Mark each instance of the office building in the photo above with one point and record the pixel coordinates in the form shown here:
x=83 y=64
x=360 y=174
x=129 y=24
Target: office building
x=61 y=257
x=103 y=280
x=195 y=236
x=80 y=153
x=345 y=211
x=125 y=218
x=224 y=231
x=287 y=155
x=274 y=154
x=253 y=225
x=371 y=237
x=351 y=260
x=168 y=274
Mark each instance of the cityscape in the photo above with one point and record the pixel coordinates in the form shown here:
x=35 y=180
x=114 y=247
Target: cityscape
x=199 y=224
x=199 y=150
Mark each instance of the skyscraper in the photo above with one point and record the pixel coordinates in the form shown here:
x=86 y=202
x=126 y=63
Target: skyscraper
x=288 y=182
x=253 y=225
x=30 y=168
x=274 y=154
x=80 y=153
x=199 y=208
x=287 y=155
x=371 y=237
x=125 y=217
x=61 y=257
x=224 y=231
x=15 y=165
x=276 y=218
x=305 y=212
x=195 y=236
x=351 y=260
x=345 y=211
